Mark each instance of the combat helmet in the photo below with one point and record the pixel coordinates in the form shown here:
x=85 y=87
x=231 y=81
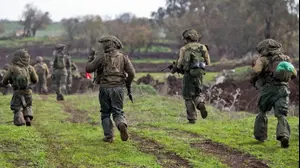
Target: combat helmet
x=39 y=59
x=190 y=34
x=115 y=40
x=6 y=66
x=60 y=46
x=268 y=46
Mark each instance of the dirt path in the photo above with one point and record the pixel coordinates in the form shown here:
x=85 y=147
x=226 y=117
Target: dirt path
x=164 y=158
x=227 y=155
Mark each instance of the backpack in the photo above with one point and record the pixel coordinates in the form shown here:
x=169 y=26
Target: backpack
x=284 y=71
x=22 y=78
x=40 y=69
x=194 y=60
x=60 y=61
x=273 y=63
x=114 y=64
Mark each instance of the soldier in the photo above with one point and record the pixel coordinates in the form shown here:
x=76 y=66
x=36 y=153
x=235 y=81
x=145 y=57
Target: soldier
x=75 y=71
x=112 y=67
x=43 y=72
x=20 y=75
x=5 y=89
x=193 y=57
x=61 y=66
x=274 y=92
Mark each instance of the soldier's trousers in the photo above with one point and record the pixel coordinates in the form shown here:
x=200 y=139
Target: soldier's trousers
x=111 y=102
x=192 y=94
x=60 y=81
x=21 y=104
x=277 y=97
x=69 y=82
x=41 y=86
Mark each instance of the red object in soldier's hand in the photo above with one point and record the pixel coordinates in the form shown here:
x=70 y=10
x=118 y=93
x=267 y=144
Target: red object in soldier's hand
x=88 y=75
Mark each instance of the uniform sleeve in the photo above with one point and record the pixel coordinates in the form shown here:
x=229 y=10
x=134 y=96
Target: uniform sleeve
x=68 y=63
x=128 y=68
x=47 y=70
x=33 y=76
x=258 y=66
x=179 y=61
x=7 y=77
x=94 y=65
x=206 y=56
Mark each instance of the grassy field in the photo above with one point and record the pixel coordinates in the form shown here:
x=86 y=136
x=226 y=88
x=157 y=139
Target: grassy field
x=52 y=30
x=68 y=134
x=160 y=76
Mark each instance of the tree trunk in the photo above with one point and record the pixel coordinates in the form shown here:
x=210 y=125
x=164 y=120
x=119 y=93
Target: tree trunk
x=33 y=32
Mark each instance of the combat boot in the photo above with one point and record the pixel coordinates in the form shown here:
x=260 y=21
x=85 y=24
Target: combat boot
x=192 y=121
x=123 y=131
x=59 y=97
x=108 y=139
x=284 y=142
x=201 y=107
x=28 y=121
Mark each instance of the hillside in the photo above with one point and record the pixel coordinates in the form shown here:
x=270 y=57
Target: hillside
x=68 y=134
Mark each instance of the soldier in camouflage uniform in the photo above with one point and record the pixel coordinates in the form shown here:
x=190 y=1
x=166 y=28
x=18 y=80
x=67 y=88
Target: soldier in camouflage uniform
x=4 y=89
x=43 y=72
x=193 y=57
x=274 y=92
x=61 y=66
x=112 y=67
x=20 y=75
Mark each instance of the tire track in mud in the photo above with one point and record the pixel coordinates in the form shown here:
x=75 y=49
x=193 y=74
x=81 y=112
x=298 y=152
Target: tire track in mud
x=165 y=158
x=227 y=155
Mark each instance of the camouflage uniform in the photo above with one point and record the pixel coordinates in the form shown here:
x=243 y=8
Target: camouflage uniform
x=61 y=66
x=43 y=72
x=192 y=90
x=4 y=90
x=111 y=68
x=273 y=93
x=21 y=101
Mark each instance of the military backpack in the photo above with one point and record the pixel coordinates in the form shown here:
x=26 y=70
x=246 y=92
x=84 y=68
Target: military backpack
x=40 y=69
x=22 y=77
x=194 y=60
x=273 y=63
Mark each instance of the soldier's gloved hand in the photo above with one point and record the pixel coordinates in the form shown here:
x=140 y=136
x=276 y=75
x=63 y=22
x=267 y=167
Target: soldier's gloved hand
x=174 y=70
x=91 y=58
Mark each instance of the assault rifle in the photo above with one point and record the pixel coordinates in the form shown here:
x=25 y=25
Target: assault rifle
x=170 y=67
x=129 y=93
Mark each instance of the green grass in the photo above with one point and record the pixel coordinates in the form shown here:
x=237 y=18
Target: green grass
x=233 y=129
x=54 y=141
x=27 y=41
x=52 y=30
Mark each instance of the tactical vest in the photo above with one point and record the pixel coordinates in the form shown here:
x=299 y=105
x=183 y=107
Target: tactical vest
x=273 y=62
x=60 y=61
x=113 y=69
x=21 y=77
x=40 y=69
x=194 y=60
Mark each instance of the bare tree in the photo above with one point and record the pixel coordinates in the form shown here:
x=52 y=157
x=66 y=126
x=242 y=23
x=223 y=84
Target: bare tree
x=71 y=26
x=91 y=26
x=33 y=20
